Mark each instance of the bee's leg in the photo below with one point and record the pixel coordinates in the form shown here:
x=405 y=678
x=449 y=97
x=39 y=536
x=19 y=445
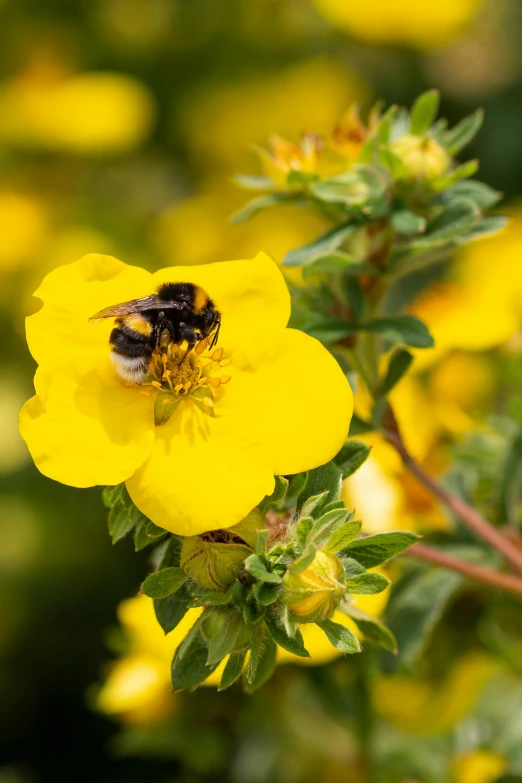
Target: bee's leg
x=188 y=334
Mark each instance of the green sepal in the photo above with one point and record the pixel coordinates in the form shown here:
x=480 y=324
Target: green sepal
x=296 y=487
x=233 y=668
x=341 y=638
x=372 y=630
x=327 y=524
x=311 y=504
x=343 y=536
x=300 y=178
x=303 y=561
x=214 y=598
x=276 y=499
x=351 y=457
x=261 y=541
x=164 y=582
x=294 y=645
x=371 y=551
x=302 y=530
x=255 y=566
x=326 y=480
x=165 y=406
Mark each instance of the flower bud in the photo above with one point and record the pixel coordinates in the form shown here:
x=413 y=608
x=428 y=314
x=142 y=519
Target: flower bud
x=315 y=593
x=215 y=559
x=217 y=619
x=424 y=158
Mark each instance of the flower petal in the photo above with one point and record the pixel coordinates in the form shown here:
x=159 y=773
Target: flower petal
x=300 y=399
x=88 y=429
x=203 y=473
x=60 y=332
x=250 y=295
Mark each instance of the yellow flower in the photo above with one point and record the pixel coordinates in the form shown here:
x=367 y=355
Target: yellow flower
x=89 y=113
x=478 y=766
x=23 y=227
x=480 y=305
x=285 y=157
x=421 y=24
x=423 y=706
x=282 y=404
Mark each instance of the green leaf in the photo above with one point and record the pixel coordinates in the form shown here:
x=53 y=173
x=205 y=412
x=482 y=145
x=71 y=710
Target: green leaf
x=223 y=642
x=399 y=365
x=249 y=182
x=360 y=427
x=353 y=295
x=191 y=669
x=386 y=124
x=276 y=499
x=340 y=539
x=257 y=568
x=258 y=204
x=214 y=598
x=261 y=541
x=457 y=217
x=360 y=188
x=123 y=519
x=232 y=670
x=171 y=610
x=371 y=551
x=297 y=484
x=415 y=609
x=329 y=330
x=172 y=554
x=351 y=567
x=303 y=561
x=302 y=530
x=406 y=222
x=373 y=630
x=326 y=480
x=405 y=329
x=341 y=638
x=352 y=455
x=164 y=582
x=261 y=664
x=464 y=132
x=511 y=482
x=367 y=584
x=483 y=196
x=112 y=496
x=325 y=244
x=146 y=533
x=424 y=111
x=484 y=227
x=338 y=262
x=294 y=645
x=266 y=594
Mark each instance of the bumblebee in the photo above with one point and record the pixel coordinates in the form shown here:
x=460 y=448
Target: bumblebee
x=177 y=312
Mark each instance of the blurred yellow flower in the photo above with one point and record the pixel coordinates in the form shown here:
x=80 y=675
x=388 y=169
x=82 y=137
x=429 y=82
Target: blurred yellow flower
x=478 y=766
x=424 y=25
x=88 y=113
x=424 y=706
x=23 y=227
x=179 y=238
x=480 y=305
x=85 y=427
x=221 y=125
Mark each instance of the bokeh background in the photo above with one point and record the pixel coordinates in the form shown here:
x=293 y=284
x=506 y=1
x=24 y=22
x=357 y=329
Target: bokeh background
x=121 y=125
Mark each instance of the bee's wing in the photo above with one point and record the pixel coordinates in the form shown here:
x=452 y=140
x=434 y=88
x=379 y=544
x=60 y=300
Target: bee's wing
x=153 y=302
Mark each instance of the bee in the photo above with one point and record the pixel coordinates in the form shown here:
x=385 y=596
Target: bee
x=177 y=312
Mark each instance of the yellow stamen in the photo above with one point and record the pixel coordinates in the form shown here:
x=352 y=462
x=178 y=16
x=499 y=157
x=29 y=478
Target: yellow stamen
x=225 y=378
x=146 y=393
x=214 y=382
x=157 y=385
x=178 y=387
x=225 y=362
x=201 y=346
x=187 y=385
x=217 y=355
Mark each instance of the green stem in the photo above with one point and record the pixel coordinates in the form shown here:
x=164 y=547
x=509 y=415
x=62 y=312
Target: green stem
x=359 y=365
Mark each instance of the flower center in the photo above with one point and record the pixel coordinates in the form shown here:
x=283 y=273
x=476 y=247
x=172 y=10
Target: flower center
x=180 y=374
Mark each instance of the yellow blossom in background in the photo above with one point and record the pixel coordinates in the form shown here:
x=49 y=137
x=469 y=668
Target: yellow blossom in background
x=480 y=305
x=23 y=227
x=424 y=25
x=423 y=706
x=478 y=766
x=88 y=113
x=281 y=402
x=220 y=125
x=178 y=236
